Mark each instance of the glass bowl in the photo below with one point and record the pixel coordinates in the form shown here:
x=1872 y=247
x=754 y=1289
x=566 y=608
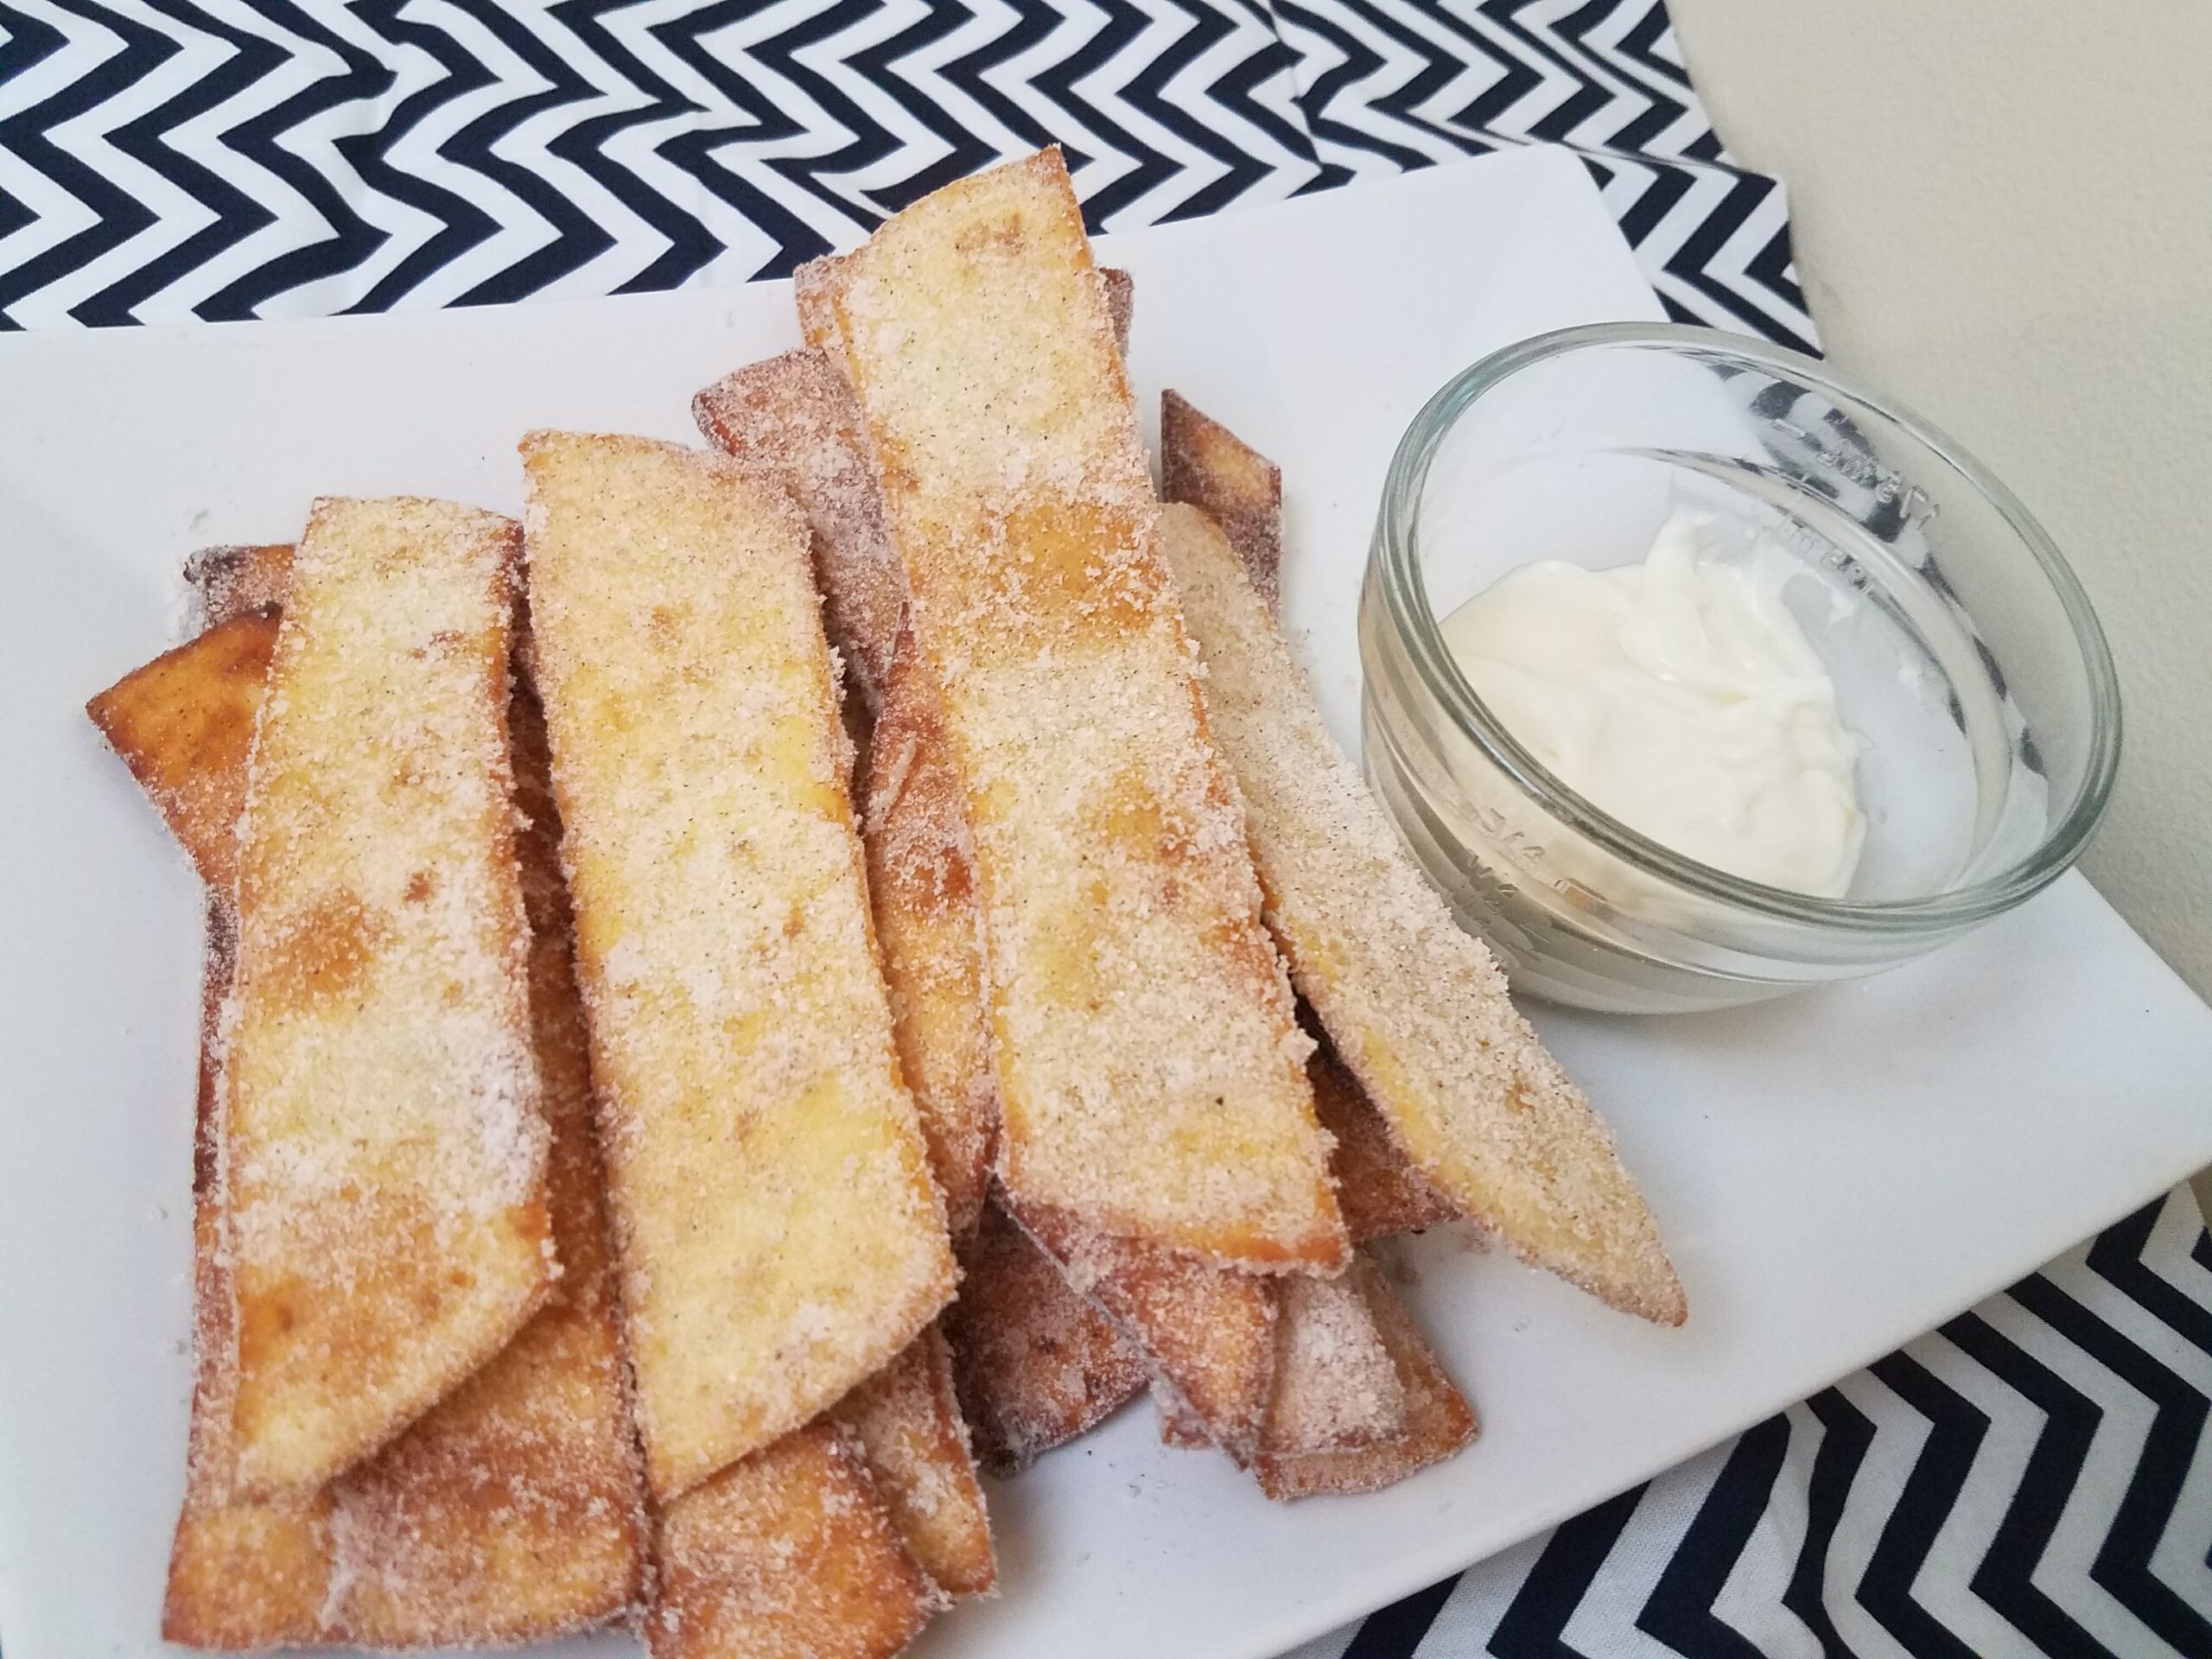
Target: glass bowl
x=1965 y=655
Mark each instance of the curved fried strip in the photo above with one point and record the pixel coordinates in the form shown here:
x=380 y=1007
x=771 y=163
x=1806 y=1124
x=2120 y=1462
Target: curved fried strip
x=1036 y=1363
x=1205 y=465
x=1439 y=1419
x=384 y=1150
x=781 y=1236
x=1415 y=1005
x=787 y=1554
x=514 y=1509
x=911 y=1430
x=1148 y=1055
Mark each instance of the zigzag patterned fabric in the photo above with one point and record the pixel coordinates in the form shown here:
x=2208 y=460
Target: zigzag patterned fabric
x=2033 y=1479
x=162 y=160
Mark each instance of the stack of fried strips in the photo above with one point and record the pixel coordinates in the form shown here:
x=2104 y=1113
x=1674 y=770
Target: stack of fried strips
x=597 y=1114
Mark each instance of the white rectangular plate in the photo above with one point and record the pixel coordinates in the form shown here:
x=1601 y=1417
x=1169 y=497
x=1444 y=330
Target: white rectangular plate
x=1835 y=1174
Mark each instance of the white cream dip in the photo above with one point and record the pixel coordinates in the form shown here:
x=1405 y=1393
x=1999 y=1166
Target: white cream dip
x=1681 y=697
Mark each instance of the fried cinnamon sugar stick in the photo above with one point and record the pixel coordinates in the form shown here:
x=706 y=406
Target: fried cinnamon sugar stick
x=384 y=1156
x=1415 y=1006
x=514 y=1510
x=1037 y=1365
x=1149 y=1064
x=183 y=723
x=1336 y=1387
x=1205 y=465
x=243 y=1572
x=1208 y=1329
x=787 y=1554
x=1439 y=1419
x=782 y=1238
x=910 y=1432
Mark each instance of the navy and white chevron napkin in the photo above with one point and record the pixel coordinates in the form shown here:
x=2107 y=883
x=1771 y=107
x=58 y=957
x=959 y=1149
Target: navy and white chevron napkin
x=162 y=160
x=2032 y=1479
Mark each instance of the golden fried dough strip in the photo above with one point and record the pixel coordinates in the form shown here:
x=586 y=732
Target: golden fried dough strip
x=1149 y=1063
x=791 y=415
x=1380 y=1191
x=1205 y=465
x=1188 y=1315
x=1440 y=1419
x=787 y=1554
x=384 y=1151
x=1415 y=1006
x=1036 y=1363
x=921 y=879
x=243 y=1573
x=1206 y=1332
x=907 y=1418
x=781 y=1237
x=184 y=725
x=514 y=1510
x=1335 y=1386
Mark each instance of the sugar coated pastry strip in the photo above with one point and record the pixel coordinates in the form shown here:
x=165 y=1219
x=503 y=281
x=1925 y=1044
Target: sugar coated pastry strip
x=1439 y=1419
x=787 y=1554
x=792 y=415
x=1335 y=1386
x=780 y=1233
x=514 y=1510
x=384 y=1152
x=1205 y=1331
x=184 y=725
x=1380 y=1191
x=921 y=881
x=1037 y=1365
x=243 y=1572
x=1149 y=1064
x=1204 y=464
x=1415 y=1006
x=907 y=1418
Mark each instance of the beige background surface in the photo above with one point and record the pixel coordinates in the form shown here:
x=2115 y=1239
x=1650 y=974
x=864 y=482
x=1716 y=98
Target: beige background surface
x=2003 y=216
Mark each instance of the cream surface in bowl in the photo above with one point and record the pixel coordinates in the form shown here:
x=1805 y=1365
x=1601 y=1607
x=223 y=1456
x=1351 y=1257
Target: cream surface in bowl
x=1964 y=658
x=1680 y=695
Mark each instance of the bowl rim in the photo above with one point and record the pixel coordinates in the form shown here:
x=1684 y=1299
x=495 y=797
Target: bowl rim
x=1405 y=593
